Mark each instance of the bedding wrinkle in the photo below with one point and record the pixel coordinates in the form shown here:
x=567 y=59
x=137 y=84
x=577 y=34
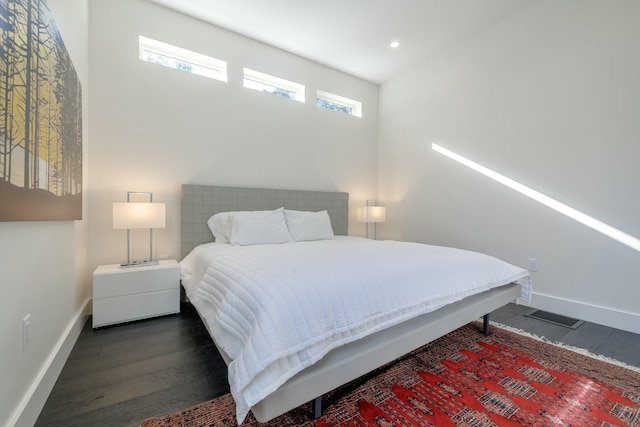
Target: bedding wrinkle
x=277 y=309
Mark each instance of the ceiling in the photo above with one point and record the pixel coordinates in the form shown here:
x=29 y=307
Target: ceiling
x=353 y=36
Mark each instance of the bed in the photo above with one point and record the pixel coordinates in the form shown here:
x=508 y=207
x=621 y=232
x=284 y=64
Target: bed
x=350 y=356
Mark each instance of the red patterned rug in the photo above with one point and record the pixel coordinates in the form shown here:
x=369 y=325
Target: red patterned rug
x=463 y=379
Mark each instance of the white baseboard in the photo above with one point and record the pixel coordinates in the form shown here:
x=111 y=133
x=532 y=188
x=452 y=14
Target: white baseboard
x=607 y=316
x=36 y=396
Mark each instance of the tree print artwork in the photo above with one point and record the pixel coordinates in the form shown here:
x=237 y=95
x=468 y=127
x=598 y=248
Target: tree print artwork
x=40 y=118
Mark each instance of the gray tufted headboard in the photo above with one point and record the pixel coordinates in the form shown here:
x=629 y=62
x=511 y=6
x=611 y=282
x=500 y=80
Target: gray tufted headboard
x=199 y=202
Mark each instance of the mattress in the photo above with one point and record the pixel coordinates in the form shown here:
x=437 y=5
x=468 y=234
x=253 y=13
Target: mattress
x=277 y=309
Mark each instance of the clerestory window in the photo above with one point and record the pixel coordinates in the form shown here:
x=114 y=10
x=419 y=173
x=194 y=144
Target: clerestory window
x=338 y=103
x=274 y=85
x=161 y=53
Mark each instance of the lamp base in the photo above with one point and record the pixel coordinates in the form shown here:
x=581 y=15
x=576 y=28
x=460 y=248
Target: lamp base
x=138 y=264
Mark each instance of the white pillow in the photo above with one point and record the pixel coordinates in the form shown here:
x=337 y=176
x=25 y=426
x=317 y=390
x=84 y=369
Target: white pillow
x=304 y=226
x=257 y=228
x=218 y=226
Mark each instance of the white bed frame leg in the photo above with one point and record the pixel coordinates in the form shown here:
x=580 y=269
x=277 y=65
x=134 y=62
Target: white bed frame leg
x=317 y=407
x=485 y=325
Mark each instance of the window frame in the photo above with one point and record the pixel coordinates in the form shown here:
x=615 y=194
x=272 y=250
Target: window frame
x=253 y=76
x=207 y=66
x=332 y=98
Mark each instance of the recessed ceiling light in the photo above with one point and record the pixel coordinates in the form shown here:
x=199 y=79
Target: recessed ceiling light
x=395 y=44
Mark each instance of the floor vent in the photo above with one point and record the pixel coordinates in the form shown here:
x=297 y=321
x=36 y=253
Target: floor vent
x=556 y=319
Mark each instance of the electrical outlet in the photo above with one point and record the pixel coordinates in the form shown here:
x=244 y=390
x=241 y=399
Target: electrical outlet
x=164 y=257
x=533 y=264
x=26 y=331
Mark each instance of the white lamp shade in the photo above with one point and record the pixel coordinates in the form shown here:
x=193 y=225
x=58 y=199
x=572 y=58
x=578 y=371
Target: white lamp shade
x=138 y=215
x=372 y=214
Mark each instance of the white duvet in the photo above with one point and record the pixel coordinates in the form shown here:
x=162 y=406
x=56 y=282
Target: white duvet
x=277 y=309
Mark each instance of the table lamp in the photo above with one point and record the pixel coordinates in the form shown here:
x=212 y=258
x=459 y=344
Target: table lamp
x=371 y=214
x=134 y=215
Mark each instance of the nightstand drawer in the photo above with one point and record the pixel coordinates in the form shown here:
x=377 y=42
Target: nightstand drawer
x=107 y=311
x=135 y=281
x=125 y=294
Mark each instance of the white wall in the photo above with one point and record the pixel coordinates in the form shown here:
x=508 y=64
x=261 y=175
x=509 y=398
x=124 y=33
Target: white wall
x=549 y=97
x=43 y=271
x=155 y=128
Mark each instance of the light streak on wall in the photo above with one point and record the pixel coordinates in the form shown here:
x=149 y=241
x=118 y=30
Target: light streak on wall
x=572 y=213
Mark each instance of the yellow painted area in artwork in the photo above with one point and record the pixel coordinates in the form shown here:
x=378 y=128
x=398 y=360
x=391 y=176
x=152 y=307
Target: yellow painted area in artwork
x=46 y=117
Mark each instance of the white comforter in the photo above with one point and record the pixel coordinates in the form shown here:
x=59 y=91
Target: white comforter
x=277 y=309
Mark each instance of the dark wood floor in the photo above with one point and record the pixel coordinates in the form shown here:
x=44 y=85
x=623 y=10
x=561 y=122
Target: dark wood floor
x=123 y=374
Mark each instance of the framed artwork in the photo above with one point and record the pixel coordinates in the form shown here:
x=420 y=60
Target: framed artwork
x=40 y=118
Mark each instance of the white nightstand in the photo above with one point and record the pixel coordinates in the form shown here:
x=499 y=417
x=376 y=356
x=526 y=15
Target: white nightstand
x=125 y=294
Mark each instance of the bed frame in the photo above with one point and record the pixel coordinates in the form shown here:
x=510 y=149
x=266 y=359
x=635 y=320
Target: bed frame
x=348 y=362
